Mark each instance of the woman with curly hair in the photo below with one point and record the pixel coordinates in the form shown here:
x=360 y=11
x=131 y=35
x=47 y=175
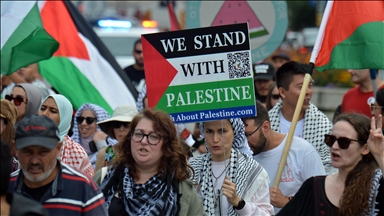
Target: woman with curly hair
x=358 y=187
x=150 y=173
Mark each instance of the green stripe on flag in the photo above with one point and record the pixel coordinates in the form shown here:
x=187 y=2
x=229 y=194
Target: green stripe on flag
x=72 y=84
x=360 y=54
x=28 y=44
x=212 y=95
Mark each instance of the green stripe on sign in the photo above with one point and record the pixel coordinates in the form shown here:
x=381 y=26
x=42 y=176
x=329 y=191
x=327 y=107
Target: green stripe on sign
x=28 y=44
x=207 y=96
x=364 y=49
x=67 y=79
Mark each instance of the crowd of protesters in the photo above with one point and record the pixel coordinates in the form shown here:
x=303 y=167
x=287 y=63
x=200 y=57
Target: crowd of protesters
x=55 y=161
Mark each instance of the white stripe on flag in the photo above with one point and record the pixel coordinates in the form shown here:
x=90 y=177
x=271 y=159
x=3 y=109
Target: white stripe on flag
x=320 y=36
x=106 y=81
x=12 y=14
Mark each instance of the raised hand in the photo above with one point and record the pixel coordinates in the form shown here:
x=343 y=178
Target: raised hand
x=229 y=190
x=376 y=141
x=277 y=198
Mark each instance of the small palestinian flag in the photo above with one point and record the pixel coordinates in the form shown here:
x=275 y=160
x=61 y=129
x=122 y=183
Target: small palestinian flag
x=23 y=38
x=351 y=36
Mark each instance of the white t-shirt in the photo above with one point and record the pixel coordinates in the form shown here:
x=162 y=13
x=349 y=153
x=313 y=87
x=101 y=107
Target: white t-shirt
x=285 y=125
x=303 y=161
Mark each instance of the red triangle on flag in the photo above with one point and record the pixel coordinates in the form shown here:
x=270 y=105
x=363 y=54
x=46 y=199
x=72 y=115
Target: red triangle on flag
x=58 y=23
x=159 y=73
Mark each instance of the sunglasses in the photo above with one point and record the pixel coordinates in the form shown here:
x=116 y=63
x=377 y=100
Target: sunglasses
x=88 y=120
x=275 y=96
x=16 y=100
x=343 y=142
x=118 y=124
x=138 y=51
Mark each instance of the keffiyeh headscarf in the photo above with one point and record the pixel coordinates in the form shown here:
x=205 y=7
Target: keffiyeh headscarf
x=101 y=115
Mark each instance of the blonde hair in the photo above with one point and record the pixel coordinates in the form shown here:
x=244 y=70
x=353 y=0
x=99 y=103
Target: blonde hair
x=9 y=114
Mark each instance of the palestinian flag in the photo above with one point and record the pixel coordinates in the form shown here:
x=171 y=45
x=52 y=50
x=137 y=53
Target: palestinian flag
x=351 y=36
x=82 y=69
x=23 y=38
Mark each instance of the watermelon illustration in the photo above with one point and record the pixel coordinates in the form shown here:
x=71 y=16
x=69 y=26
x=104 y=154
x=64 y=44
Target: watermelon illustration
x=233 y=12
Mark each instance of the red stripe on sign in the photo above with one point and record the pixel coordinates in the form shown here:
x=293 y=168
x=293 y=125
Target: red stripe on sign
x=59 y=24
x=159 y=73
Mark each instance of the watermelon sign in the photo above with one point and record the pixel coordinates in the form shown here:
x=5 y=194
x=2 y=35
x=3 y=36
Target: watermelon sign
x=200 y=74
x=267 y=21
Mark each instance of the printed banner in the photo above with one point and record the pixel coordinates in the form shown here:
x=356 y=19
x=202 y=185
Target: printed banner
x=200 y=74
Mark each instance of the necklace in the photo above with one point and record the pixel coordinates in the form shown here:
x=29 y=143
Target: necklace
x=217 y=196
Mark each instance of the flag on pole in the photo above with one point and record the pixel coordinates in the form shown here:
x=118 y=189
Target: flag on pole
x=23 y=38
x=82 y=69
x=351 y=36
x=172 y=17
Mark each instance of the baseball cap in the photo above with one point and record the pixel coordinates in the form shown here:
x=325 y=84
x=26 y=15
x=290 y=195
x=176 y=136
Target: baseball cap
x=35 y=130
x=281 y=55
x=263 y=71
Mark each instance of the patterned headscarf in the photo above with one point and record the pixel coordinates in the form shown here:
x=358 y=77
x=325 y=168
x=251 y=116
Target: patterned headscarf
x=240 y=141
x=101 y=115
x=65 y=111
x=140 y=98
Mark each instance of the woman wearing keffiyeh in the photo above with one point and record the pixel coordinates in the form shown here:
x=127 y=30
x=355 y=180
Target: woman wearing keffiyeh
x=150 y=175
x=229 y=181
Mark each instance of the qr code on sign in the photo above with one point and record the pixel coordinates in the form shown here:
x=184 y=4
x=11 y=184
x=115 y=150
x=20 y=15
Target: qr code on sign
x=238 y=64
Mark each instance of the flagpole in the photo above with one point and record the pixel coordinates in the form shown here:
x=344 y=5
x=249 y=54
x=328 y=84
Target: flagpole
x=304 y=88
x=374 y=84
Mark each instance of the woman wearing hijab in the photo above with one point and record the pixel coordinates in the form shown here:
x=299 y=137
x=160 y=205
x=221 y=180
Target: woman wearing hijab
x=87 y=133
x=59 y=109
x=8 y=117
x=229 y=181
x=27 y=99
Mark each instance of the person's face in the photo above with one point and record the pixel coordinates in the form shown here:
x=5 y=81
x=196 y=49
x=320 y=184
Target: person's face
x=49 y=108
x=262 y=86
x=121 y=132
x=359 y=76
x=138 y=55
x=38 y=163
x=18 y=91
x=219 y=137
x=3 y=125
x=275 y=96
x=278 y=62
x=291 y=96
x=346 y=158
x=145 y=154
x=255 y=136
x=85 y=129
x=28 y=73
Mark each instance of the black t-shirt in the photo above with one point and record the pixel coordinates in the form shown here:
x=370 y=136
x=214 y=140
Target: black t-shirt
x=37 y=193
x=134 y=75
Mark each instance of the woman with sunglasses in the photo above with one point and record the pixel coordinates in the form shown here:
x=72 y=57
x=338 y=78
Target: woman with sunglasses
x=150 y=173
x=358 y=187
x=272 y=97
x=116 y=128
x=229 y=181
x=27 y=99
x=87 y=133
x=60 y=110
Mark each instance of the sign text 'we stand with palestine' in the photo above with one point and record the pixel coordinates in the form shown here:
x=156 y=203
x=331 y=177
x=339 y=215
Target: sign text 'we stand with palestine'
x=200 y=74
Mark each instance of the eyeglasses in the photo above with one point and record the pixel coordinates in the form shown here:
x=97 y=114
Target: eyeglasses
x=118 y=124
x=16 y=100
x=343 y=142
x=138 y=51
x=374 y=106
x=152 y=138
x=88 y=120
x=275 y=96
x=249 y=135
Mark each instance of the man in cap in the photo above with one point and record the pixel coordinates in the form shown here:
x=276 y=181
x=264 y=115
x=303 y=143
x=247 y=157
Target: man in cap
x=61 y=189
x=280 y=59
x=263 y=78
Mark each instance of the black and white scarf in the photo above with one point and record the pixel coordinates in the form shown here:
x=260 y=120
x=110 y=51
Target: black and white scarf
x=375 y=184
x=316 y=124
x=155 y=197
x=243 y=170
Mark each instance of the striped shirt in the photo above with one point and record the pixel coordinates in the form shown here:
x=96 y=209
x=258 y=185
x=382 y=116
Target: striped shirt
x=71 y=193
